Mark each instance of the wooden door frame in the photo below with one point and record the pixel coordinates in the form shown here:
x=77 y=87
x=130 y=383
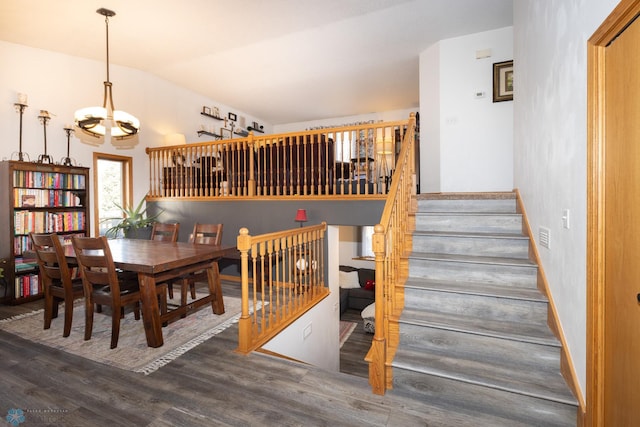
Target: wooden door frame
x=615 y=23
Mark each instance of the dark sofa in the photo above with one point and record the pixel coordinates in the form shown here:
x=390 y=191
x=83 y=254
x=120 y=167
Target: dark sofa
x=357 y=298
x=297 y=165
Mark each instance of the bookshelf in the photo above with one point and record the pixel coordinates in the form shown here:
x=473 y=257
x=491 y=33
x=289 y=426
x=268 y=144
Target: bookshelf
x=42 y=198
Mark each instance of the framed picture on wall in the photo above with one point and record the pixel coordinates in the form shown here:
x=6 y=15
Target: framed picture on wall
x=503 y=81
x=226 y=133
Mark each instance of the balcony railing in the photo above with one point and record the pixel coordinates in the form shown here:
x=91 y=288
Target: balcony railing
x=356 y=160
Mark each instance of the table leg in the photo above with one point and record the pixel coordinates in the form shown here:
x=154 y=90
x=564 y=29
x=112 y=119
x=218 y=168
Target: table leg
x=150 y=310
x=215 y=288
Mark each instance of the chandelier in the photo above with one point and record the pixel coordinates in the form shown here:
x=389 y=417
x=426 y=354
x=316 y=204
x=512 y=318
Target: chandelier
x=94 y=125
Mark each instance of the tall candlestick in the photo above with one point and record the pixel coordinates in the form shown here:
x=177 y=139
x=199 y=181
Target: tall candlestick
x=20 y=106
x=67 y=160
x=44 y=119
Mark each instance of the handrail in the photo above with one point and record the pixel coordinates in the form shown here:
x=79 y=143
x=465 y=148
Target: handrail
x=391 y=242
x=287 y=280
x=346 y=161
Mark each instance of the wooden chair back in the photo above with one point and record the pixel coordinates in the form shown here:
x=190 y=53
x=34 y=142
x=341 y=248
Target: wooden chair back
x=206 y=234
x=165 y=232
x=51 y=260
x=96 y=264
x=57 y=277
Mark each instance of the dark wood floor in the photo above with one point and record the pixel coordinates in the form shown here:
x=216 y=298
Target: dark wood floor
x=210 y=385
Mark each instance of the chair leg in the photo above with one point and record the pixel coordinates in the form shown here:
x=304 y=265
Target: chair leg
x=162 y=293
x=136 y=310
x=170 y=287
x=184 y=284
x=193 y=288
x=48 y=310
x=115 y=326
x=88 y=319
x=68 y=316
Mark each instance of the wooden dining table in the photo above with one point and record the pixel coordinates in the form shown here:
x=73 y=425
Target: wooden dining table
x=157 y=262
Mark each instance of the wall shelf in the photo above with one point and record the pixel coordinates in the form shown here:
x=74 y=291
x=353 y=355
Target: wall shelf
x=204 y=132
x=212 y=116
x=250 y=128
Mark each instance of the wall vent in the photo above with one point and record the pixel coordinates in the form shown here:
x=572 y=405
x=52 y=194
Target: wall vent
x=544 y=237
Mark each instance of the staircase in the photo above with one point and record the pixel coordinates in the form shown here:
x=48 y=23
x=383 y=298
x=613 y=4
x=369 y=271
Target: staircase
x=473 y=334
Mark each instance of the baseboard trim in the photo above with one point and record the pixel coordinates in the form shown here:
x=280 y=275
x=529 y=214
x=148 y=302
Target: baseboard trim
x=567 y=367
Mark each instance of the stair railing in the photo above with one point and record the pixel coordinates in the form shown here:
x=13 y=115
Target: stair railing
x=282 y=277
x=391 y=243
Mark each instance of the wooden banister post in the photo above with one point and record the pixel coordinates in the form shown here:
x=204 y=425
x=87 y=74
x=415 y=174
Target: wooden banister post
x=378 y=353
x=244 y=324
x=252 y=179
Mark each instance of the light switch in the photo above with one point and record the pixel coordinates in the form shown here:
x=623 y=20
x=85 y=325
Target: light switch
x=566 y=218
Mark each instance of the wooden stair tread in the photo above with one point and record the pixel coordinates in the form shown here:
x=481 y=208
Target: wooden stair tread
x=474 y=288
x=548 y=385
x=473 y=259
x=519 y=331
x=469 y=234
x=467 y=195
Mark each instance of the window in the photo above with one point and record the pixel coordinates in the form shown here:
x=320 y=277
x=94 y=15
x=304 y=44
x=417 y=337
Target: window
x=111 y=185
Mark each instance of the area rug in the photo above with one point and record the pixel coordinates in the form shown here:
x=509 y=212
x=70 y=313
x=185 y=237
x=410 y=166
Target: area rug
x=346 y=329
x=132 y=353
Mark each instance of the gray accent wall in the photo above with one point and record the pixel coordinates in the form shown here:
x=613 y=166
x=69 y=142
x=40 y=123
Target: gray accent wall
x=263 y=216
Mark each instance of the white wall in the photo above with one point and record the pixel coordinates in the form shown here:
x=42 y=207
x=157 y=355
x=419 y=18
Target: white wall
x=350 y=247
x=550 y=41
x=385 y=116
x=62 y=84
x=472 y=139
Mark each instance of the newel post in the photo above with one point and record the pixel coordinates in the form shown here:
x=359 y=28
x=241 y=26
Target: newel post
x=244 y=324
x=377 y=371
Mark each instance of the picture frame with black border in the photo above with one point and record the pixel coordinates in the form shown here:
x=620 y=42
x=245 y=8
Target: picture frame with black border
x=226 y=133
x=503 y=81
x=233 y=117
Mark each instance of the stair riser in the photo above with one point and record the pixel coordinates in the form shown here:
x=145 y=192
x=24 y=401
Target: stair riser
x=518 y=355
x=477 y=205
x=473 y=272
x=480 y=306
x=472 y=398
x=507 y=223
x=477 y=246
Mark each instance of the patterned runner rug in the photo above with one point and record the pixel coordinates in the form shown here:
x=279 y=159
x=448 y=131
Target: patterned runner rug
x=346 y=329
x=132 y=352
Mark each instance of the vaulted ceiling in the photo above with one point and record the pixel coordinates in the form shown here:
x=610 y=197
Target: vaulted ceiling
x=281 y=60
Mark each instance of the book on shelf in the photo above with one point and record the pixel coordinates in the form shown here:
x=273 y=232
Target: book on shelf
x=28 y=200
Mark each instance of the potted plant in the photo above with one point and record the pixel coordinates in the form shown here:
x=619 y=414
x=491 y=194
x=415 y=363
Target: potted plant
x=134 y=224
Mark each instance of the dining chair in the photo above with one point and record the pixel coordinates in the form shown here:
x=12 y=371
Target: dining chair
x=203 y=234
x=57 y=279
x=103 y=286
x=165 y=232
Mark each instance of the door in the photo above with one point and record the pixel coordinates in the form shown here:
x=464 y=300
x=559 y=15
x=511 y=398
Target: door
x=622 y=230
x=613 y=390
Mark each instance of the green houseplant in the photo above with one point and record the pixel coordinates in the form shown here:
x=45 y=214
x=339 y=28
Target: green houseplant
x=132 y=222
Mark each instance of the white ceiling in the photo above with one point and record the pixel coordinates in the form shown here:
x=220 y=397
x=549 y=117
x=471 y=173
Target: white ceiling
x=284 y=61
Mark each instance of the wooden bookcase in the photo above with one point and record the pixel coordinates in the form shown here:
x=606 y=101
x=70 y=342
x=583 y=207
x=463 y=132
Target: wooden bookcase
x=42 y=198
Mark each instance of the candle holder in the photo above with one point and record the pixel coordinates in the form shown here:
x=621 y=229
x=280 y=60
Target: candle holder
x=44 y=118
x=20 y=107
x=67 y=161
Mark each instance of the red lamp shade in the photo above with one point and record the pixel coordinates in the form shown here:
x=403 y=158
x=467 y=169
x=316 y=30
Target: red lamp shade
x=301 y=216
